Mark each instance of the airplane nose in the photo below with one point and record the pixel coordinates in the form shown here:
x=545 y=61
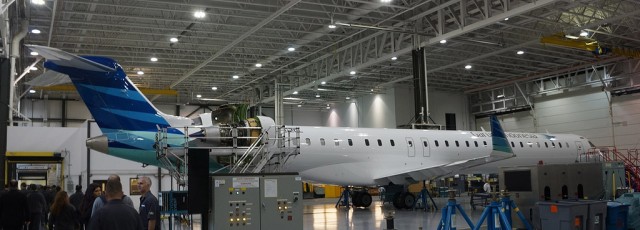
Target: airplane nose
x=99 y=143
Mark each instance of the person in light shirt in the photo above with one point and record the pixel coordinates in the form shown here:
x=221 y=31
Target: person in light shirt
x=487 y=187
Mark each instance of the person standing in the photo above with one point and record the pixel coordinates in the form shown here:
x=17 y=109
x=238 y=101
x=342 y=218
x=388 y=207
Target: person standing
x=149 y=208
x=115 y=214
x=63 y=214
x=93 y=191
x=486 y=187
x=37 y=207
x=14 y=209
x=101 y=201
x=76 y=198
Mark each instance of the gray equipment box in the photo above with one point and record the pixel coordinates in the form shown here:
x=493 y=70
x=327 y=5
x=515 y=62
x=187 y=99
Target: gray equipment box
x=596 y=213
x=256 y=201
x=555 y=216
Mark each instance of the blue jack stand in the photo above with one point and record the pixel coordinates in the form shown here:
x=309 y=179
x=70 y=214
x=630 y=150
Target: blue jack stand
x=494 y=217
x=344 y=198
x=448 y=220
x=422 y=197
x=508 y=205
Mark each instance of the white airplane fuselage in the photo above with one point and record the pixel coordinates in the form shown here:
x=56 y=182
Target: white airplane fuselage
x=345 y=158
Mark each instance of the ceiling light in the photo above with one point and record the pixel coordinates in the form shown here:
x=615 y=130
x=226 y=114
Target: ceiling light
x=199 y=14
x=467 y=66
x=38 y=2
x=443 y=41
x=371 y=90
x=352 y=72
x=328 y=107
x=347 y=98
x=299 y=106
x=394 y=58
x=173 y=39
x=154 y=59
x=32 y=91
x=317 y=95
x=291 y=49
x=214 y=88
x=385 y=1
x=258 y=65
x=295 y=92
x=34 y=53
x=35 y=31
x=520 y=52
x=198 y=96
x=584 y=33
x=506 y=19
x=332 y=26
x=33 y=68
x=235 y=76
x=500 y=96
x=140 y=72
x=323 y=82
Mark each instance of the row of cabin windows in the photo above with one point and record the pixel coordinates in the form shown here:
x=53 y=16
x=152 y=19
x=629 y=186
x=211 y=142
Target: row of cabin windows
x=437 y=144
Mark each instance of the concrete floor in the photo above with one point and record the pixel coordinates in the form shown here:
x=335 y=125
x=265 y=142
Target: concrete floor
x=321 y=214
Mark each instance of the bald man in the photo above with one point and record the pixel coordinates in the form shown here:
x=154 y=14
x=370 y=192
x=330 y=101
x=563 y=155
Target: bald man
x=149 y=208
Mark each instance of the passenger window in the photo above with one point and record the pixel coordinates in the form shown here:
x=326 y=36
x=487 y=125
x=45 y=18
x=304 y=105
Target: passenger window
x=308 y=141
x=513 y=145
x=350 y=142
x=336 y=141
x=566 y=144
x=538 y=144
x=521 y=145
x=410 y=143
x=553 y=144
x=467 y=142
x=446 y=143
x=366 y=142
x=560 y=144
x=322 y=141
x=437 y=144
x=379 y=142
x=475 y=143
x=425 y=143
x=546 y=145
x=457 y=145
x=484 y=142
x=392 y=143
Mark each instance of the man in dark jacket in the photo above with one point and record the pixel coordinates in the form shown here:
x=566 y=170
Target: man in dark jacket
x=14 y=209
x=37 y=207
x=115 y=214
x=76 y=198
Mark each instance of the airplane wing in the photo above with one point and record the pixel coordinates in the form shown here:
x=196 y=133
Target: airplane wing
x=63 y=58
x=50 y=78
x=501 y=150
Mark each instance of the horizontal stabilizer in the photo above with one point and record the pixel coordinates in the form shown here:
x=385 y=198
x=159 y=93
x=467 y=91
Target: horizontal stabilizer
x=63 y=58
x=501 y=150
x=50 y=78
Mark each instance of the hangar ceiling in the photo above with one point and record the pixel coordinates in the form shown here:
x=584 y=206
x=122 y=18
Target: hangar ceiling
x=371 y=37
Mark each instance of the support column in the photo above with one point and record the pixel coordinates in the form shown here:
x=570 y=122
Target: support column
x=4 y=113
x=420 y=85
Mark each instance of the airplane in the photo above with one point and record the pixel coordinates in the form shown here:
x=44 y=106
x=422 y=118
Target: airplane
x=341 y=156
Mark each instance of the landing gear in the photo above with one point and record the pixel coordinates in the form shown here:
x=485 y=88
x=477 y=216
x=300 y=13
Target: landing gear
x=362 y=199
x=403 y=200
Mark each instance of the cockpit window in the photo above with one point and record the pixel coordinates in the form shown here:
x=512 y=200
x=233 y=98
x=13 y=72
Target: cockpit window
x=592 y=145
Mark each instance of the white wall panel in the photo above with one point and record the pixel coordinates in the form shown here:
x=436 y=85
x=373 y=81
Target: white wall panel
x=77 y=110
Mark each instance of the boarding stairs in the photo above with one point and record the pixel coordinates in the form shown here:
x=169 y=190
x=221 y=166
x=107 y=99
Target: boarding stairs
x=264 y=154
x=630 y=158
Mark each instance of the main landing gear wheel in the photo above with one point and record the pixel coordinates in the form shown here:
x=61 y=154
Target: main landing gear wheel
x=404 y=200
x=362 y=199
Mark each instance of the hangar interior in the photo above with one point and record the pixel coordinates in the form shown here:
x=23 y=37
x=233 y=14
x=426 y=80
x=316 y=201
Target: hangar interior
x=545 y=66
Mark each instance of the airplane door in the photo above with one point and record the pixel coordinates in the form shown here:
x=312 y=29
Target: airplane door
x=426 y=149
x=411 y=147
x=579 y=148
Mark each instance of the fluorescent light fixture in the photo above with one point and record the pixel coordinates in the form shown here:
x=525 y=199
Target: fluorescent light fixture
x=394 y=58
x=33 y=68
x=299 y=106
x=520 y=52
x=214 y=88
x=38 y=2
x=295 y=92
x=173 y=40
x=323 y=82
x=506 y=19
x=352 y=72
x=34 y=53
x=385 y=1
x=371 y=90
x=500 y=96
x=154 y=59
x=293 y=98
x=443 y=41
x=199 y=14
x=140 y=72
x=235 y=76
x=467 y=66
x=198 y=96
x=258 y=65
x=584 y=33
x=332 y=26
x=317 y=95
x=35 y=31
x=347 y=98
x=32 y=91
x=328 y=107
x=291 y=49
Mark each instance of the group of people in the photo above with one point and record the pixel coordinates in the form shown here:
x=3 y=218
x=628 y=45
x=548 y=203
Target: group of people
x=20 y=210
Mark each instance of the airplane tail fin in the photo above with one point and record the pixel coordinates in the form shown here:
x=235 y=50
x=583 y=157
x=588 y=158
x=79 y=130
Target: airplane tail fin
x=501 y=147
x=113 y=100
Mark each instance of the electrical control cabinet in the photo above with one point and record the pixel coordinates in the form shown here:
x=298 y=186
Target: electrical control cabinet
x=256 y=201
